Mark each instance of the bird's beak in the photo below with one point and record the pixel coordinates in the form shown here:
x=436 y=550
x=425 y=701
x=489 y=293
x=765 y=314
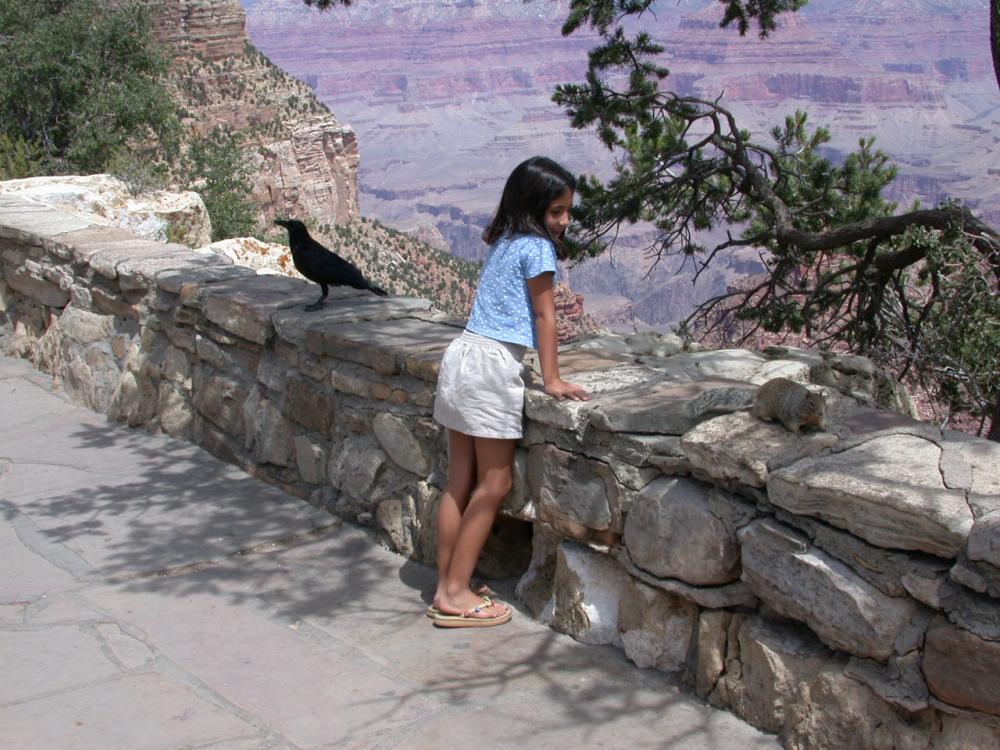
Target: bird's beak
x=281 y=223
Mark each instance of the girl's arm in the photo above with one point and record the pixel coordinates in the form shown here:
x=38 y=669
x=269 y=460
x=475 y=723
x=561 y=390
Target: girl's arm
x=544 y=304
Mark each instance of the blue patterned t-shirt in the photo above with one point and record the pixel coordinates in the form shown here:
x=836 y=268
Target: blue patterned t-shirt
x=502 y=309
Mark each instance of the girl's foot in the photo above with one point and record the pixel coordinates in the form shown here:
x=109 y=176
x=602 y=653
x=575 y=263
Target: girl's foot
x=464 y=604
x=480 y=616
x=479 y=589
x=433 y=610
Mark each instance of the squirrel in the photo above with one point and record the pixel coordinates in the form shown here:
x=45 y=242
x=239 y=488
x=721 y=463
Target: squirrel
x=791 y=403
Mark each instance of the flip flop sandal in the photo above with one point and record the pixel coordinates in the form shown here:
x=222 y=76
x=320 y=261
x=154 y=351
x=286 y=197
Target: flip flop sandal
x=432 y=610
x=481 y=589
x=468 y=618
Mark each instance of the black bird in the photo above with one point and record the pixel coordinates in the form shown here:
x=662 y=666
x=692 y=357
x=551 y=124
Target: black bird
x=321 y=265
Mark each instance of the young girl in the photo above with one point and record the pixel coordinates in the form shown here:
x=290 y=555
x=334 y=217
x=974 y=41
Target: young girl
x=480 y=393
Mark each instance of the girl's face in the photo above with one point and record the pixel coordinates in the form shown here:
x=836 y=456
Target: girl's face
x=557 y=215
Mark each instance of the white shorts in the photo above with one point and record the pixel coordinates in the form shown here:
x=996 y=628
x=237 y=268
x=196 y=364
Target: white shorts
x=480 y=390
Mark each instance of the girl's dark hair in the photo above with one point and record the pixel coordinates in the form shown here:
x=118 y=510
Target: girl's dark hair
x=531 y=187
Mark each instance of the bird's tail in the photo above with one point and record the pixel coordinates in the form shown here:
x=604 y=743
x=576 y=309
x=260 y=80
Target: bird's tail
x=378 y=290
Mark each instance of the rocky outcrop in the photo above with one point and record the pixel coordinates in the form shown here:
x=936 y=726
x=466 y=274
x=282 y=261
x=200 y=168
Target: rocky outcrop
x=105 y=200
x=305 y=162
x=839 y=589
x=262 y=257
x=572 y=321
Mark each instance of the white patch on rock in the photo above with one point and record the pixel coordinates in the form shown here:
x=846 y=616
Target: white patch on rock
x=587 y=587
x=158 y=215
x=263 y=257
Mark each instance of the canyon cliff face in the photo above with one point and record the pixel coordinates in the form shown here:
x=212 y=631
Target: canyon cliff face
x=305 y=162
x=447 y=98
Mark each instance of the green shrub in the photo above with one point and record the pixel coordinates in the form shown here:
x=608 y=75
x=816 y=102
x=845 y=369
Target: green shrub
x=82 y=79
x=19 y=158
x=216 y=167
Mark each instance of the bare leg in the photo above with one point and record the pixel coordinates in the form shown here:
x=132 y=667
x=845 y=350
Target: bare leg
x=461 y=479
x=494 y=461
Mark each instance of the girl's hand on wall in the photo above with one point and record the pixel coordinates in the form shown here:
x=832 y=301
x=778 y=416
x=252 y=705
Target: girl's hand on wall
x=560 y=389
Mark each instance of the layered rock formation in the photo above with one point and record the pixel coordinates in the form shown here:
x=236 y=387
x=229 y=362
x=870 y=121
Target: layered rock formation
x=840 y=588
x=305 y=162
x=209 y=30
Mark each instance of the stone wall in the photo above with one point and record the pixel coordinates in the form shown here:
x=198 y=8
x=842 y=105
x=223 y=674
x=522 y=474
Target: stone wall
x=839 y=588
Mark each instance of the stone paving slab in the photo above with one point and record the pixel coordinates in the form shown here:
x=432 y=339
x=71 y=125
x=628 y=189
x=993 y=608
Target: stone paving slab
x=134 y=252
x=55 y=608
x=161 y=520
x=51 y=660
x=732 y=364
x=11 y=367
x=80 y=244
x=176 y=603
x=195 y=281
x=26 y=575
x=142 y=272
x=22 y=408
x=31 y=480
x=573 y=361
x=602 y=719
x=342 y=591
x=244 y=306
x=889 y=491
x=212 y=643
x=605 y=386
x=741 y=447
x=143 y=504
x=664 y=408
x=138 y=712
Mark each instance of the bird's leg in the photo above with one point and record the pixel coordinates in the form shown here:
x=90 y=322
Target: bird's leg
x=322 y=299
